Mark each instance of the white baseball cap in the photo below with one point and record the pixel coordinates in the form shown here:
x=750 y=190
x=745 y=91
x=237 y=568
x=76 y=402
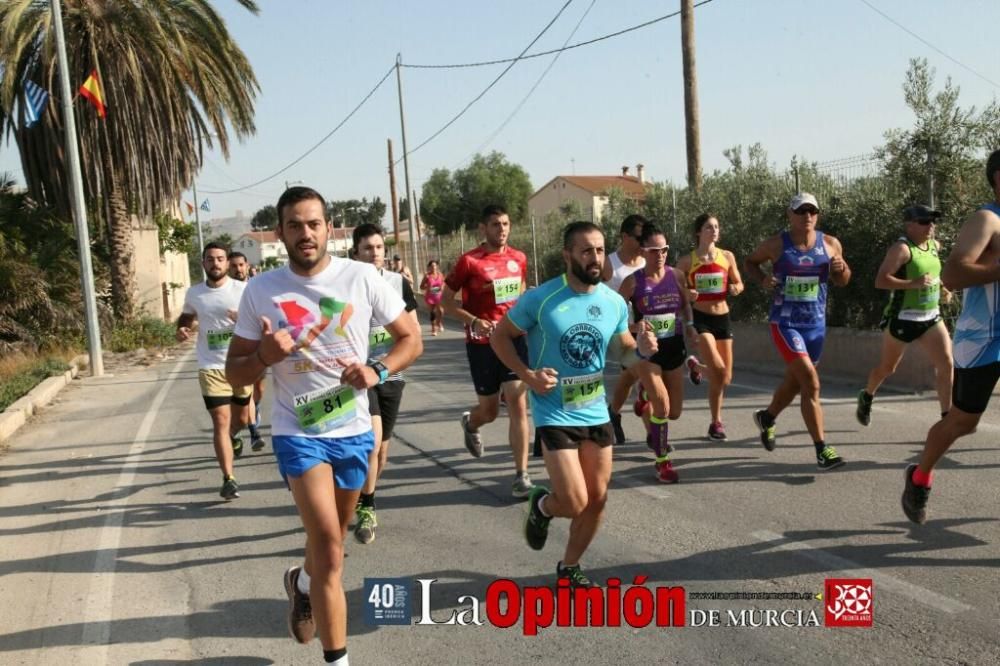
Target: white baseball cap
x=801 y=199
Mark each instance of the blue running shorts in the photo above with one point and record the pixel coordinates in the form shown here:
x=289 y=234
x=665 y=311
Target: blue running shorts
x=348 y=456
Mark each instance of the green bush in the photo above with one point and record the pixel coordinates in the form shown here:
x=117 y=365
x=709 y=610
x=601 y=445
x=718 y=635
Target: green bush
x=18 y=385
x=144 y=332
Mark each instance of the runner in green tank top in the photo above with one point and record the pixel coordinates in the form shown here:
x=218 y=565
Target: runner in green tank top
x=912 y=270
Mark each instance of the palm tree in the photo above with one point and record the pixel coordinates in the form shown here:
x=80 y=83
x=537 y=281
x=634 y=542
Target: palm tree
x=173 y=80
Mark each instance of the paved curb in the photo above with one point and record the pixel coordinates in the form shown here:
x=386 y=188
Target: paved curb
x=18 y=413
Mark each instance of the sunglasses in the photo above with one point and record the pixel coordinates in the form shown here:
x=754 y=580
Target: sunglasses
x=806 y=211
x=661 y=250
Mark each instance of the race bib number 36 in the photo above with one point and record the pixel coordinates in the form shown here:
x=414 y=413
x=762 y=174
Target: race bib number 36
x=218 y=340
x=802 y=288
x=664 y=325
x=583 y=391
x=322 y=411
x=708 y=283
x=507 y=289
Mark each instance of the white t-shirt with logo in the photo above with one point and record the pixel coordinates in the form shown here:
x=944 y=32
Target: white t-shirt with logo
x=328 y=316
x=211 y=306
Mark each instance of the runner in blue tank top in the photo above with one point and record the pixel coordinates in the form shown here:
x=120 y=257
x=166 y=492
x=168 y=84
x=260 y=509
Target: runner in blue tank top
x=803 y=260
x=973 y=265
x=569 y=322
x=658 y=297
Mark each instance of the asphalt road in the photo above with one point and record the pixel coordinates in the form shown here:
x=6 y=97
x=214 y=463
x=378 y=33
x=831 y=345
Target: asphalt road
x=117 y=549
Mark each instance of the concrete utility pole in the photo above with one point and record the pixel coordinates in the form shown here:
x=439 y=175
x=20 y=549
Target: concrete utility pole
x=406 y=164
x=692 y=131
x=77 y=200
x=392 y=195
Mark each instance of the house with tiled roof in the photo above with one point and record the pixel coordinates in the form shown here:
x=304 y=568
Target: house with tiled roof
x=259 y=246
x=590 y=192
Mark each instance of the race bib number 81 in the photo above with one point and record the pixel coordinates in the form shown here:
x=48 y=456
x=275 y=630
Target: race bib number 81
x=322 y=411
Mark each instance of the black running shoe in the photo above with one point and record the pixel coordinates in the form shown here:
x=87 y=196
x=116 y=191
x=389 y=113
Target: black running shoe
x=230 y=489
x=765 y=422
x=915 y=498
x=828 y=459
x=536 y=526
x=864 y=411
x=616 y=424
x=575 y=575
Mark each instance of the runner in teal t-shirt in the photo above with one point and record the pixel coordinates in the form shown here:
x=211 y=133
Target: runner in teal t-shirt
x=570 y=321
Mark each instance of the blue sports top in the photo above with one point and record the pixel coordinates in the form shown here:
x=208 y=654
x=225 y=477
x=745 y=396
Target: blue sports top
x=570 y=332
x=977 y=332
x=800 y=295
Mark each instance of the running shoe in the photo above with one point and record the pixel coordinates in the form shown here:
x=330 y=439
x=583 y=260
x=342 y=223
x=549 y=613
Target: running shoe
x=616 y=425
x=641 y=404
x=828 y=459
x=765 y=422
x=536 y=526
x=237 y=446
x=300 y=618
x=575 y=576
x=230 y=489
x=473 y=442
x=665 y=472
x=717 y=431
x=864 y=410
x=694 y=374
x=258 y=444
x=522 y=486
x=364 y=529
x=915 y=498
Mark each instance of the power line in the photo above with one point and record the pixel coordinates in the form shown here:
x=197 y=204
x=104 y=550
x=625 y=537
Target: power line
x=487 y=88
x=541 y=78
x=927 y=43
x=316 y=145
x=559 y=50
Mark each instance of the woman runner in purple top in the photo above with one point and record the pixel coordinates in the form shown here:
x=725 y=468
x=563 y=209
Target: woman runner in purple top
x=656 y=294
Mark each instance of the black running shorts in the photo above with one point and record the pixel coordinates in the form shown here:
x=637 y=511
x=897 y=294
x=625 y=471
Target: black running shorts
x=390 y=395
x=557 y=438
x=971 y=388
x=488 y=373
x=907 y=331
x=670 y=353
x=719 y=326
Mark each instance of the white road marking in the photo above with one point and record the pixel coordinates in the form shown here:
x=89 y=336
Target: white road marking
x=851 y=569
x=97 y=614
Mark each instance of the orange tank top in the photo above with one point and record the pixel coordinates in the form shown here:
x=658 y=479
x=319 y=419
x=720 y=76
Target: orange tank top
x=710 y=280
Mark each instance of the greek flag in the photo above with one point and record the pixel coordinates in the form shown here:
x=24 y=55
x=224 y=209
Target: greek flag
x=36 y=99
x=205 y=207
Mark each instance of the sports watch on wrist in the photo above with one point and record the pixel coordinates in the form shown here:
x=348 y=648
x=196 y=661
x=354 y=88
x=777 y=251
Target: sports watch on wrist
x=380 y=370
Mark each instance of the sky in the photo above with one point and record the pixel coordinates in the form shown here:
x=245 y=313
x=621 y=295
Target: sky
x=813 y=78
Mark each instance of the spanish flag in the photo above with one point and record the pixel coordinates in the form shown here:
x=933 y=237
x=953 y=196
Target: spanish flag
x=91 y=89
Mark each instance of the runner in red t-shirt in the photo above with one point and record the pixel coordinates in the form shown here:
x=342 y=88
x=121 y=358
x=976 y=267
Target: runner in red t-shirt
x=491 y=278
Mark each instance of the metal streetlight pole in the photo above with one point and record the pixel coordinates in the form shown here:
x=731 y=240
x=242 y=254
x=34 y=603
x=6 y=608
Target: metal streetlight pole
x=76 y=197
x=406 y=165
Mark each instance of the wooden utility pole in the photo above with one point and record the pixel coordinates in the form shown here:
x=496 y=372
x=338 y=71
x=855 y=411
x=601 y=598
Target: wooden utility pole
x=692 y=131
x=392 y=195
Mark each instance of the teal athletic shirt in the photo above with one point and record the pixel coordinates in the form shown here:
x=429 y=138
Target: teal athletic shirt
x=570 y=333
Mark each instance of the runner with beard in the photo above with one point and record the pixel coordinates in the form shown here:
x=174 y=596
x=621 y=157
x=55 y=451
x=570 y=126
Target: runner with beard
x=569 y=322
x=239 y=269
x=213 y=304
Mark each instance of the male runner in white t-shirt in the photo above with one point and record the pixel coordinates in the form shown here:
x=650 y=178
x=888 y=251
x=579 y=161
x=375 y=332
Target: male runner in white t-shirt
x=213 y=304
x=310 y=323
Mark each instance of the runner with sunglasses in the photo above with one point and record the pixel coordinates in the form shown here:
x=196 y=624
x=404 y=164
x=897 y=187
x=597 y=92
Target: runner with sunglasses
x=803 y=260
x=657 y=294
x=912 y=270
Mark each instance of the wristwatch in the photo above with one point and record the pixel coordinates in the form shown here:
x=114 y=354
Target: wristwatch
x=380 y=370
